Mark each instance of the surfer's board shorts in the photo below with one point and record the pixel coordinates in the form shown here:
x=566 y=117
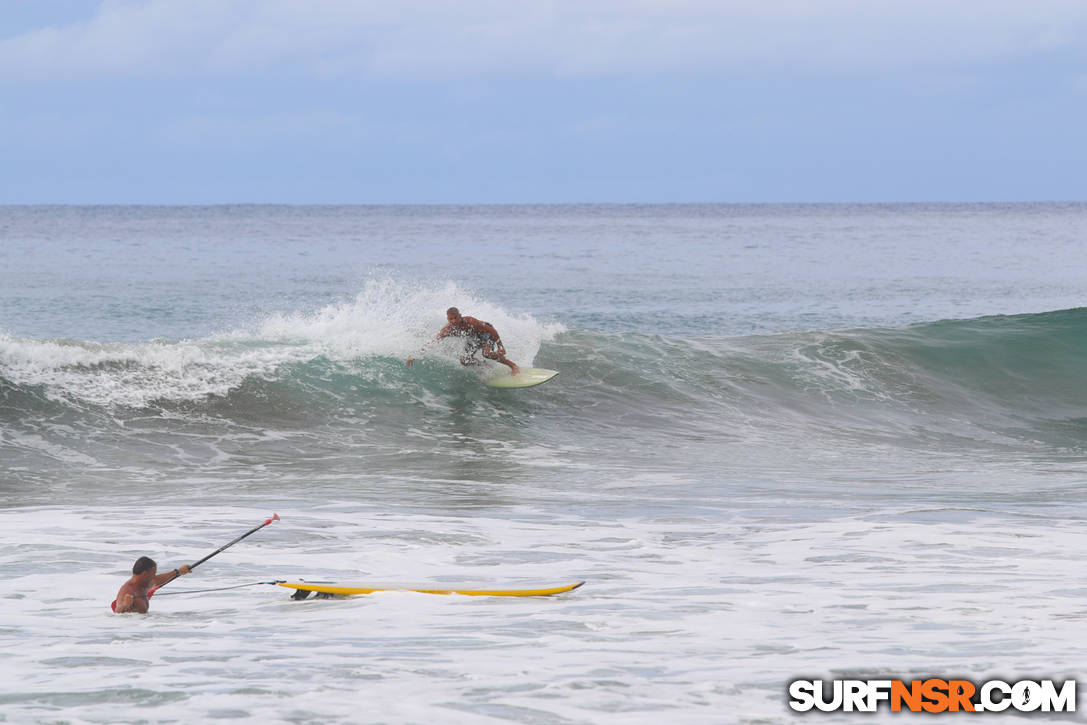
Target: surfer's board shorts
x=477 y=342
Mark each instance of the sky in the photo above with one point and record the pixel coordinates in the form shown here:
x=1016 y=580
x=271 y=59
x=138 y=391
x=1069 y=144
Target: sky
x=509 y=101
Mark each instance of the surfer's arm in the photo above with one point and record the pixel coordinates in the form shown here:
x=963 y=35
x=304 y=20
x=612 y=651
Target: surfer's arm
x=490 y=329
x=444 y=332
x=494 y=333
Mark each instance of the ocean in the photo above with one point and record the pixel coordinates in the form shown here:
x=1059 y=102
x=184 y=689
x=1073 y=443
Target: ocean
x=785 y=442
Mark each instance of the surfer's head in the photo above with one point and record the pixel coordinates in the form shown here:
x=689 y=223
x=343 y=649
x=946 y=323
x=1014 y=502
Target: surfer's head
x=144 y=563
x=452 y=314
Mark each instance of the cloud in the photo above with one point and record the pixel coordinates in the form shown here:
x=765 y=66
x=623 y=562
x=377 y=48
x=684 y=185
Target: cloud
x=443 y=38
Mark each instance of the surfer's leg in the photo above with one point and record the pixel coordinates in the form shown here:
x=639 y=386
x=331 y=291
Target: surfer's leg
x=491 y=353
x=468 y=357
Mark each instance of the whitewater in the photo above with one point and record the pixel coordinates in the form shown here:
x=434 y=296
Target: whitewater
x=786 y=442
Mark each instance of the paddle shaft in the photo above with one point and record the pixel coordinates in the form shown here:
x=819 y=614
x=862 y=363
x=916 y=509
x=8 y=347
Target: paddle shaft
x=224 y=547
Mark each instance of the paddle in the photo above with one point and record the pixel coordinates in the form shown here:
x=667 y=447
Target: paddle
x=275 y=517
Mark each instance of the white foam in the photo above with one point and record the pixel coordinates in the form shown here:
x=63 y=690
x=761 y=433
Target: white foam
x=682 y=618
x=132 y=374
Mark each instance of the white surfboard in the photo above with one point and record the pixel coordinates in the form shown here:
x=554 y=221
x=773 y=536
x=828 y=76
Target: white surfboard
x=524 y=379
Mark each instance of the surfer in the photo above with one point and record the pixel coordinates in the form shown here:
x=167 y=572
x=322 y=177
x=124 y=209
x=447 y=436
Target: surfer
x=480 y=337
x=135 y=594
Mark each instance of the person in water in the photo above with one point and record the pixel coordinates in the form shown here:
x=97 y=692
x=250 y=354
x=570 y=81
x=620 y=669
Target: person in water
x=133 y=596
x=480 y=337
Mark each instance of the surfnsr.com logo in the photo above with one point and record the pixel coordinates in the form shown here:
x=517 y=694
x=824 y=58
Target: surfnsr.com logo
x=932 y=695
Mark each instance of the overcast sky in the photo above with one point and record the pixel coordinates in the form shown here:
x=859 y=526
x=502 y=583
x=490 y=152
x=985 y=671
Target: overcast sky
x=465 y=101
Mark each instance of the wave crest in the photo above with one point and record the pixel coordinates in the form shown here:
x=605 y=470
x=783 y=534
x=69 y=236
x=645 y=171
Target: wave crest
x=386 y=321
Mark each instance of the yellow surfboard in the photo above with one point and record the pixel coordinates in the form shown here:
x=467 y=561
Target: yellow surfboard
x=342 y=590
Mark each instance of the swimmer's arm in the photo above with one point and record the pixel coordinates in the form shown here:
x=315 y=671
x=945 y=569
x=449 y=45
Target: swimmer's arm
x=171 y=575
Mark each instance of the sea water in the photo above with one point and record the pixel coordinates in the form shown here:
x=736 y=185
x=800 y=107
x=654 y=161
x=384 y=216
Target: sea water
x=823 y=441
